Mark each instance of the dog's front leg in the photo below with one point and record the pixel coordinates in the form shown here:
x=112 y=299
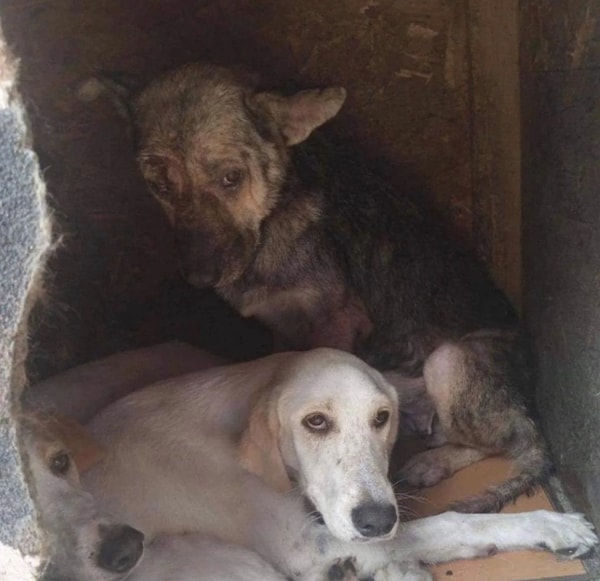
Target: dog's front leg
x=447 y=537
x=453 y=535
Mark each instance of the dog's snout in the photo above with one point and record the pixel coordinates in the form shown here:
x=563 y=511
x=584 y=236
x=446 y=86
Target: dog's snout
x=121 y=549
x=198 y=272
x=199 y=279
x=373 y=519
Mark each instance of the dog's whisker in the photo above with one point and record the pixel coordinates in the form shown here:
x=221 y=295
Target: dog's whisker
x=409 y=496
x=310 y=520
x=411 y=513
x=398 y=482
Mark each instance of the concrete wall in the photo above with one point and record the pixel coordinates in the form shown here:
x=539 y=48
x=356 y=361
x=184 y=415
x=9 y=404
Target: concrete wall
x=24 y=237
x=561 y=215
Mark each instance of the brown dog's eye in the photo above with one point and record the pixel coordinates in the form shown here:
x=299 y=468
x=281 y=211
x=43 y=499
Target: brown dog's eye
x=381 y=419
x=232 y=179
x=60 y=463
x=316 y=423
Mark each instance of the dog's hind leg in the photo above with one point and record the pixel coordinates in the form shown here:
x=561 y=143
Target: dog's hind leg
x=474 y=384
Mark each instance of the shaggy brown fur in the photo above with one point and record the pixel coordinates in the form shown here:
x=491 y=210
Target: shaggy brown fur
x=299 y=234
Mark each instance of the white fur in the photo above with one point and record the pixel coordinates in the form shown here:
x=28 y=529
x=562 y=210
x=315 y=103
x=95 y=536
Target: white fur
x=80 y=393
x=173 y=468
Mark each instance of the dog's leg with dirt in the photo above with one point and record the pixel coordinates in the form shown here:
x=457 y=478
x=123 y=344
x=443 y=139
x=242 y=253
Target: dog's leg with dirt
x=472 y=384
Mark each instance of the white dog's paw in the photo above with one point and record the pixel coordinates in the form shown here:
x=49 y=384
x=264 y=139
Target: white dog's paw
x=403 y=572
x=424 y=469
x=568 y=535
x=338 y=570
x=343 y=570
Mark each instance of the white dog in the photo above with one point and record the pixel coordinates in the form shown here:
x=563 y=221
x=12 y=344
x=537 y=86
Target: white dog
x=217 y=469
x=80 y=393
x=85 y=544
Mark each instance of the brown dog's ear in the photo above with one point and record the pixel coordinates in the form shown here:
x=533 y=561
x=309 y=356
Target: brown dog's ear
x=299 y=115
x=259 y=447
x=121 y=88
x=84 y=450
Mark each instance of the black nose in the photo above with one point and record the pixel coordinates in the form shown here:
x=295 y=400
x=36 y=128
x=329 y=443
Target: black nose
x=121 y=548
x=200 y=276
x=374 y=520
x=201 y=279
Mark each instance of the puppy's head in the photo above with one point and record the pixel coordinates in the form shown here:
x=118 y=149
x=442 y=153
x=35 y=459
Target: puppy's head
x=84 y=544
x=333 y=422
x=214 y=152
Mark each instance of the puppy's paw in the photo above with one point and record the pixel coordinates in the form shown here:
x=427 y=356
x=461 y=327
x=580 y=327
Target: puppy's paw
x=403 y=572
x=343 y=570
x=338 y=570
x=424 y=470
x=568 y=535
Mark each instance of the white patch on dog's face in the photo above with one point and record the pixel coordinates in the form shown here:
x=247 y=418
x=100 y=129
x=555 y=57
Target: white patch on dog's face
x=339 y=422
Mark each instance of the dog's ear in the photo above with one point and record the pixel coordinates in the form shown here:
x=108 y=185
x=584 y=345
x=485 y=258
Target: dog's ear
x=121 y=88
x=85 y=451
x=259 y=447
x=299 y=115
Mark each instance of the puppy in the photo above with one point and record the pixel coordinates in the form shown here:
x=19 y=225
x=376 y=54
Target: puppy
x=84 y=543
x=286 y=459
x=303 y=236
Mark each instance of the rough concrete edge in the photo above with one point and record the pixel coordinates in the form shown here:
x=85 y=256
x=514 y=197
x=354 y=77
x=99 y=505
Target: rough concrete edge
x=561 y=501
x=22 y=563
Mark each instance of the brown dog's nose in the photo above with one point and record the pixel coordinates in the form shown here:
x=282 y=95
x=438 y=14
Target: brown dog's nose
x=121 y=549
x=198 y=273
x=373 y=519
x=200 y=280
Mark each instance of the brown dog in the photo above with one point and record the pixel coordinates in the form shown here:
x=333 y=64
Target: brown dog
x=300 y=235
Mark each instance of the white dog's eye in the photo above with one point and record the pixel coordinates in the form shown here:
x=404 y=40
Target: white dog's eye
x=60 y=463
x=381 y=418
x=317 y=423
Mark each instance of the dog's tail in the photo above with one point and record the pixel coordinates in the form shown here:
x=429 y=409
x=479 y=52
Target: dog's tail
x=532 y=462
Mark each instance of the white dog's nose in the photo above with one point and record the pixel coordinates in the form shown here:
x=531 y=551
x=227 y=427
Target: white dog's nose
x=373 y=519
x=121 y=549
